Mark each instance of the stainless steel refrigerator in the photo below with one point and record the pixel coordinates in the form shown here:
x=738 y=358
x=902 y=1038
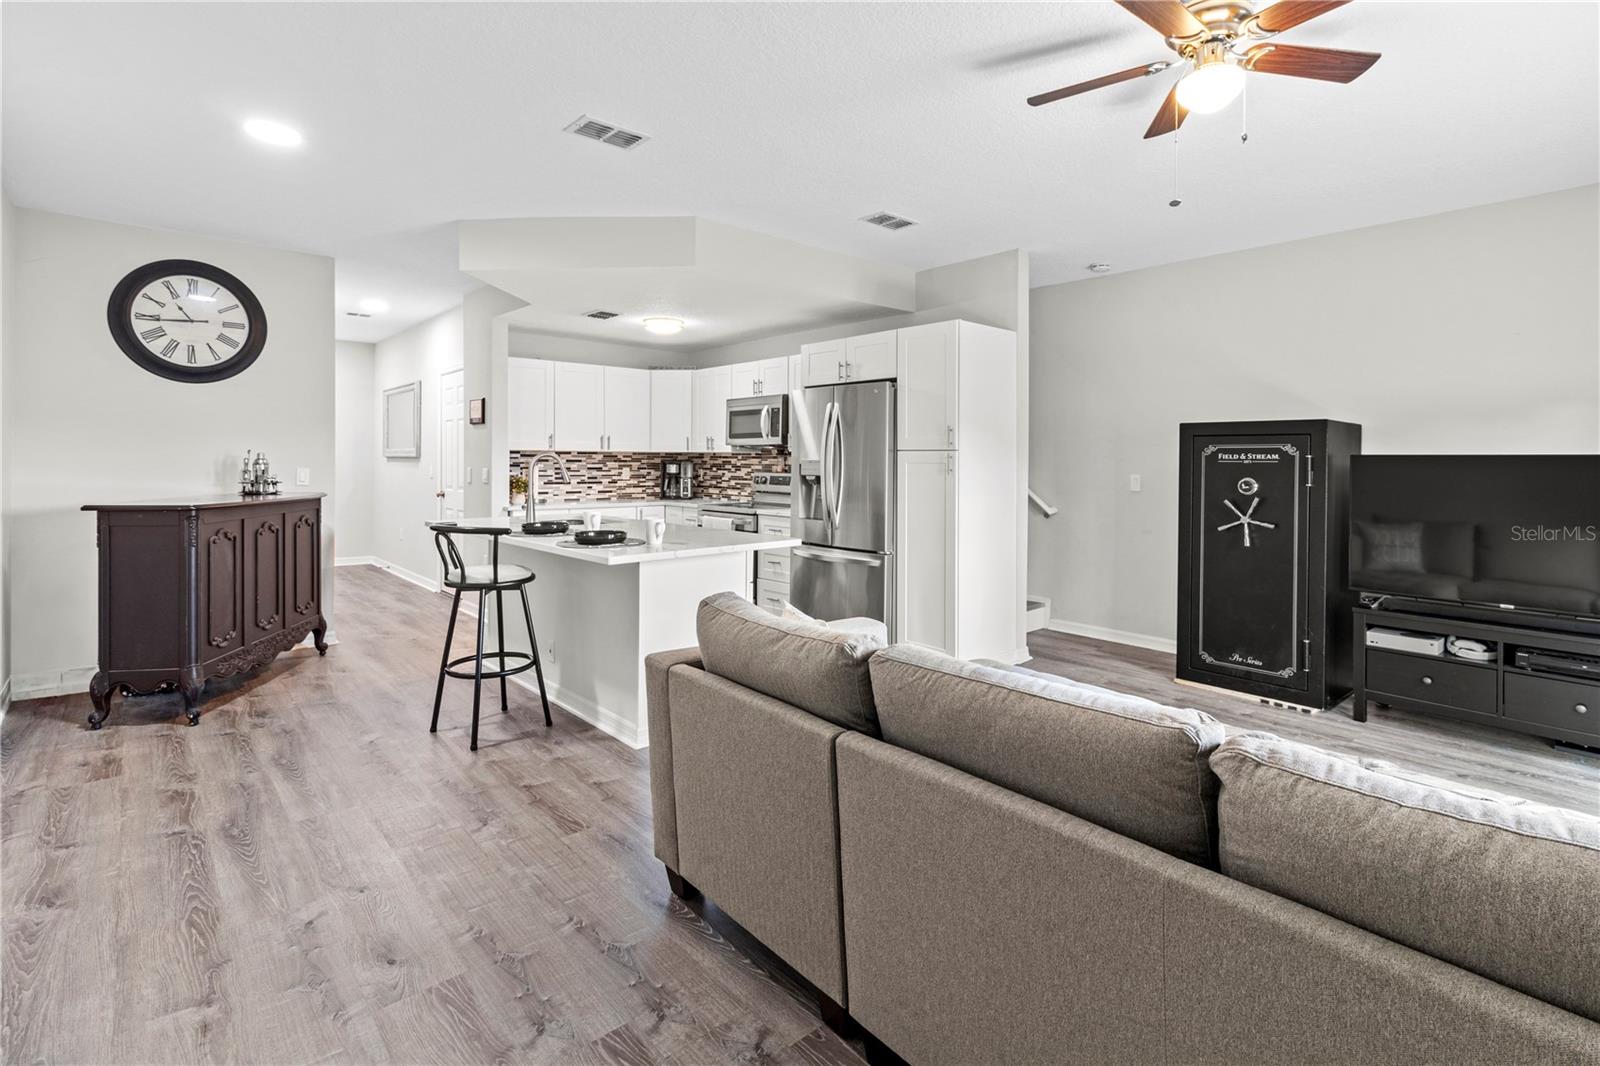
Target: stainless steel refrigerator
x=844 y=504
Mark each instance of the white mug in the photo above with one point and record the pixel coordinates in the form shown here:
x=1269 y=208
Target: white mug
x=656 y=531
x=592 y=520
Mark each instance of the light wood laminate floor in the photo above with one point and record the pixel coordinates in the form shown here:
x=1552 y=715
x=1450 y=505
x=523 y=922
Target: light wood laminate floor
x=1511 y=763
x=308 y=876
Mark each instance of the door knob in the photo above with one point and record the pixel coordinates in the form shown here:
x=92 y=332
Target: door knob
x=1580 y=708
x=1426 y=680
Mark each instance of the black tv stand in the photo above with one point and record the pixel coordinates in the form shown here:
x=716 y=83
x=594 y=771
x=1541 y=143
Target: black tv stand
x=1495 y=693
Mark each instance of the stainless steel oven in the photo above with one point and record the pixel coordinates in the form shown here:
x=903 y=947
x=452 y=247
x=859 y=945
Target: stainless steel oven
x=758 y=421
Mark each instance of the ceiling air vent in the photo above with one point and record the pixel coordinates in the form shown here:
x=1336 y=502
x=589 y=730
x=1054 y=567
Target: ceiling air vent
x=602 y=315
x=357 y=314
x=594 y=130
x=888 y=221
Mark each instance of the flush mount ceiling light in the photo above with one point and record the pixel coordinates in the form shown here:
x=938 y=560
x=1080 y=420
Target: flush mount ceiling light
x=662 y=326
x=274 y=133
x=374 y=306
x=1098 y=268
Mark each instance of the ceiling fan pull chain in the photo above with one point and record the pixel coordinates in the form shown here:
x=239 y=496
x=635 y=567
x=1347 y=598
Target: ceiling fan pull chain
x=1244 y=113
x=1176 y=200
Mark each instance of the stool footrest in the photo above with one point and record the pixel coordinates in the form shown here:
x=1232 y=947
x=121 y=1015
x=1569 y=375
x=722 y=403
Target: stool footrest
x=502 y=671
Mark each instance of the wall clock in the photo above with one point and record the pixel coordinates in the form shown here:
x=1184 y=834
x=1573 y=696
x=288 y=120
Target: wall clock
x=187 y=321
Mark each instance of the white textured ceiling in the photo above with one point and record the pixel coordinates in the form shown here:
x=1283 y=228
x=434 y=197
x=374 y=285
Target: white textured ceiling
x=790 y=119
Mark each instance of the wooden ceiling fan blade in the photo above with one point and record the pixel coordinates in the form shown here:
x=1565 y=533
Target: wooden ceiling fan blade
x=1167 y=17
x=1098 y=83
x=1287 y=14
x=1169 y=118
x=1296 y=61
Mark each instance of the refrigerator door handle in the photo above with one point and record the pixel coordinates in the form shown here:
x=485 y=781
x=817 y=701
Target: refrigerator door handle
x=829 y=493
x=826 y=556
x=838 y=480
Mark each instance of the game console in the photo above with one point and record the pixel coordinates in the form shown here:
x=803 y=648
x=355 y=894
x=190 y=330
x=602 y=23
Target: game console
x=1404 y=640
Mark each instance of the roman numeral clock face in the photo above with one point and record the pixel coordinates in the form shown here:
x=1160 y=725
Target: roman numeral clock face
x=187 y=321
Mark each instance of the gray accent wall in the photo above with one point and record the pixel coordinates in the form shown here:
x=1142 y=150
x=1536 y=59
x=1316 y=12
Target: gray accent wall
x=1471 y=331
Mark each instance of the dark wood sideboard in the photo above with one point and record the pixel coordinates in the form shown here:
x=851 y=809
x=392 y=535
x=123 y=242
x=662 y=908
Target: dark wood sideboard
x=200 y=588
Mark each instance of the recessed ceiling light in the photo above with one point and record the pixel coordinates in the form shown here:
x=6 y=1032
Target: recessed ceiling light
x=666 y=327
x=374 y=306
x=277 y=134
x=1098 y=268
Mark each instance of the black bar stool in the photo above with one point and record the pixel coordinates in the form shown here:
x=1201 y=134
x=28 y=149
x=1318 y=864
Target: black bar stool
x=498 y=578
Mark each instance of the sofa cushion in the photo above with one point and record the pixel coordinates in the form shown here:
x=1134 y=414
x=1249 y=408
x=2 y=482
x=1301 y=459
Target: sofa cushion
x=820 y=670
x=1125 y=763
x=1503 y=888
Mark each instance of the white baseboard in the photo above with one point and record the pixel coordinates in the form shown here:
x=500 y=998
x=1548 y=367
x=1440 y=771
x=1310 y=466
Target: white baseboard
x=1116 y=636
x=429 y=583
x=608 y=722
x=358 y=560
x=1020 y=655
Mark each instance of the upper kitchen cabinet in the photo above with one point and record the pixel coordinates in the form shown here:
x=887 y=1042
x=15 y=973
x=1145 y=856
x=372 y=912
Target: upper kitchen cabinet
x=671 y=410
x=869 y=357
x=578 y=422
x=530 y=404
x=627 y=409
x=769 y=377
x=822 y=362
x=954 y=378
x=709 y=414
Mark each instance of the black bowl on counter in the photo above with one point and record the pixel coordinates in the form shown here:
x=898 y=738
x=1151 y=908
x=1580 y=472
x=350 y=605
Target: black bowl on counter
x=589 y=538
x=535 y=529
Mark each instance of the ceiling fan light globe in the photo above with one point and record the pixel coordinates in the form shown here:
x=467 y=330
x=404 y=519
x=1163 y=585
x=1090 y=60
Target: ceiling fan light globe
x=1211 y=87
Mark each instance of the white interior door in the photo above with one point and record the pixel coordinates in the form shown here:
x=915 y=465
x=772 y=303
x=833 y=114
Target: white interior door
x=452 y=446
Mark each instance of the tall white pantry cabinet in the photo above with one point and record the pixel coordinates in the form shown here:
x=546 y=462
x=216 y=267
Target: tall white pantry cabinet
x=956 y=526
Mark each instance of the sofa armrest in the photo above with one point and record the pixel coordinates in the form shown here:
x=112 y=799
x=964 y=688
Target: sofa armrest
x=657 y=667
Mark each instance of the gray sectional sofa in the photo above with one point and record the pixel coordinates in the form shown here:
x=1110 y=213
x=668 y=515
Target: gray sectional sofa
x=980 y=865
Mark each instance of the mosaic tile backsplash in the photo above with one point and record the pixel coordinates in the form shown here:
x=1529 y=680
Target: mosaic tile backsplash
x=637 y=475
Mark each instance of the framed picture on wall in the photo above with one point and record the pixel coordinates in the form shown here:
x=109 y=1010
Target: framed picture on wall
x=475 y=411
x=402 y=421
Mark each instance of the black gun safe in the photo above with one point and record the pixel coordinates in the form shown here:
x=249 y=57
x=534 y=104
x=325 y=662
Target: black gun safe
x=1264 y=606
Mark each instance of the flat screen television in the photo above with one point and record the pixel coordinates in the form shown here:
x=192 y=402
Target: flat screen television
x=1518 y=532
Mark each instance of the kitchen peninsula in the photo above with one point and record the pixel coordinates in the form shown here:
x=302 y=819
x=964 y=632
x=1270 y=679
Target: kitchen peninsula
x=599 y=611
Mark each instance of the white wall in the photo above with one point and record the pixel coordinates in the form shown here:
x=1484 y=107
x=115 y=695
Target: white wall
x=527 y=344
x=1473 y=331
x=8 y=246
x=355 y=447
x=403 y=500
x=84 y=424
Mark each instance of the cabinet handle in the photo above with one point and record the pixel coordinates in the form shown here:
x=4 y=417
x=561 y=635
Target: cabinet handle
x=1580 y=708
x=550 y=440
x=1426 y=680
x=840 y=375
x=950 y=435
x=949 y=464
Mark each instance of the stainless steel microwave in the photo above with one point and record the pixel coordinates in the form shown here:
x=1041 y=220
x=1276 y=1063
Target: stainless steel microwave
x=758 y=421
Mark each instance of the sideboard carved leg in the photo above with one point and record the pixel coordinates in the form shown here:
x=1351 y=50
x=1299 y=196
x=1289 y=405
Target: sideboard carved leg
x=100 y=695
x=319 y=634
x=190 y=685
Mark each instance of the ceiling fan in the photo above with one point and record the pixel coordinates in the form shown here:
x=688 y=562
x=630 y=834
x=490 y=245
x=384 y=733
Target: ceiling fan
x=1219 y=41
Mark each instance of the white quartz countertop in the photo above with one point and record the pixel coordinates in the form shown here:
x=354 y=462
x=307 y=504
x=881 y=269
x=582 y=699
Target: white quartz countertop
x=681 y=542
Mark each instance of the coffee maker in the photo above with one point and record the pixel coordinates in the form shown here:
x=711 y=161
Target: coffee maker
x=677 y=479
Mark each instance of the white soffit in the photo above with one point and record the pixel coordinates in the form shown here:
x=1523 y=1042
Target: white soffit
x=726 y=284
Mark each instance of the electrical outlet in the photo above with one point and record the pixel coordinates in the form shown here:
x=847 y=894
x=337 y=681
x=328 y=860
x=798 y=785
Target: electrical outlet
x=302 y=475
x=1133 y=483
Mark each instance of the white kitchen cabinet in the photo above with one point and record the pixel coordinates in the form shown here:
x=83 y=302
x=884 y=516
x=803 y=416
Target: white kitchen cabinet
x=871 y=356
x=529 y=404
x=627 y=406
x=708 y=429
x=925 y=584
x=742 y=380
x=579 y=419
x=928 y=390
x=772 y=595
x=823 y=362
x=671 y=410
x=774 y=565
x=772 y=377
x=681 y=515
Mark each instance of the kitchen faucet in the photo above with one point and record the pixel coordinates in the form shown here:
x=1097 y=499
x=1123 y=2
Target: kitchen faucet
x=533 y=477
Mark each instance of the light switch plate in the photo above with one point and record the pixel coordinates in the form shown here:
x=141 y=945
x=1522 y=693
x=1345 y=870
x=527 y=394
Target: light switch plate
x=302 y=475
x=485 y=475
x=1133 y=483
